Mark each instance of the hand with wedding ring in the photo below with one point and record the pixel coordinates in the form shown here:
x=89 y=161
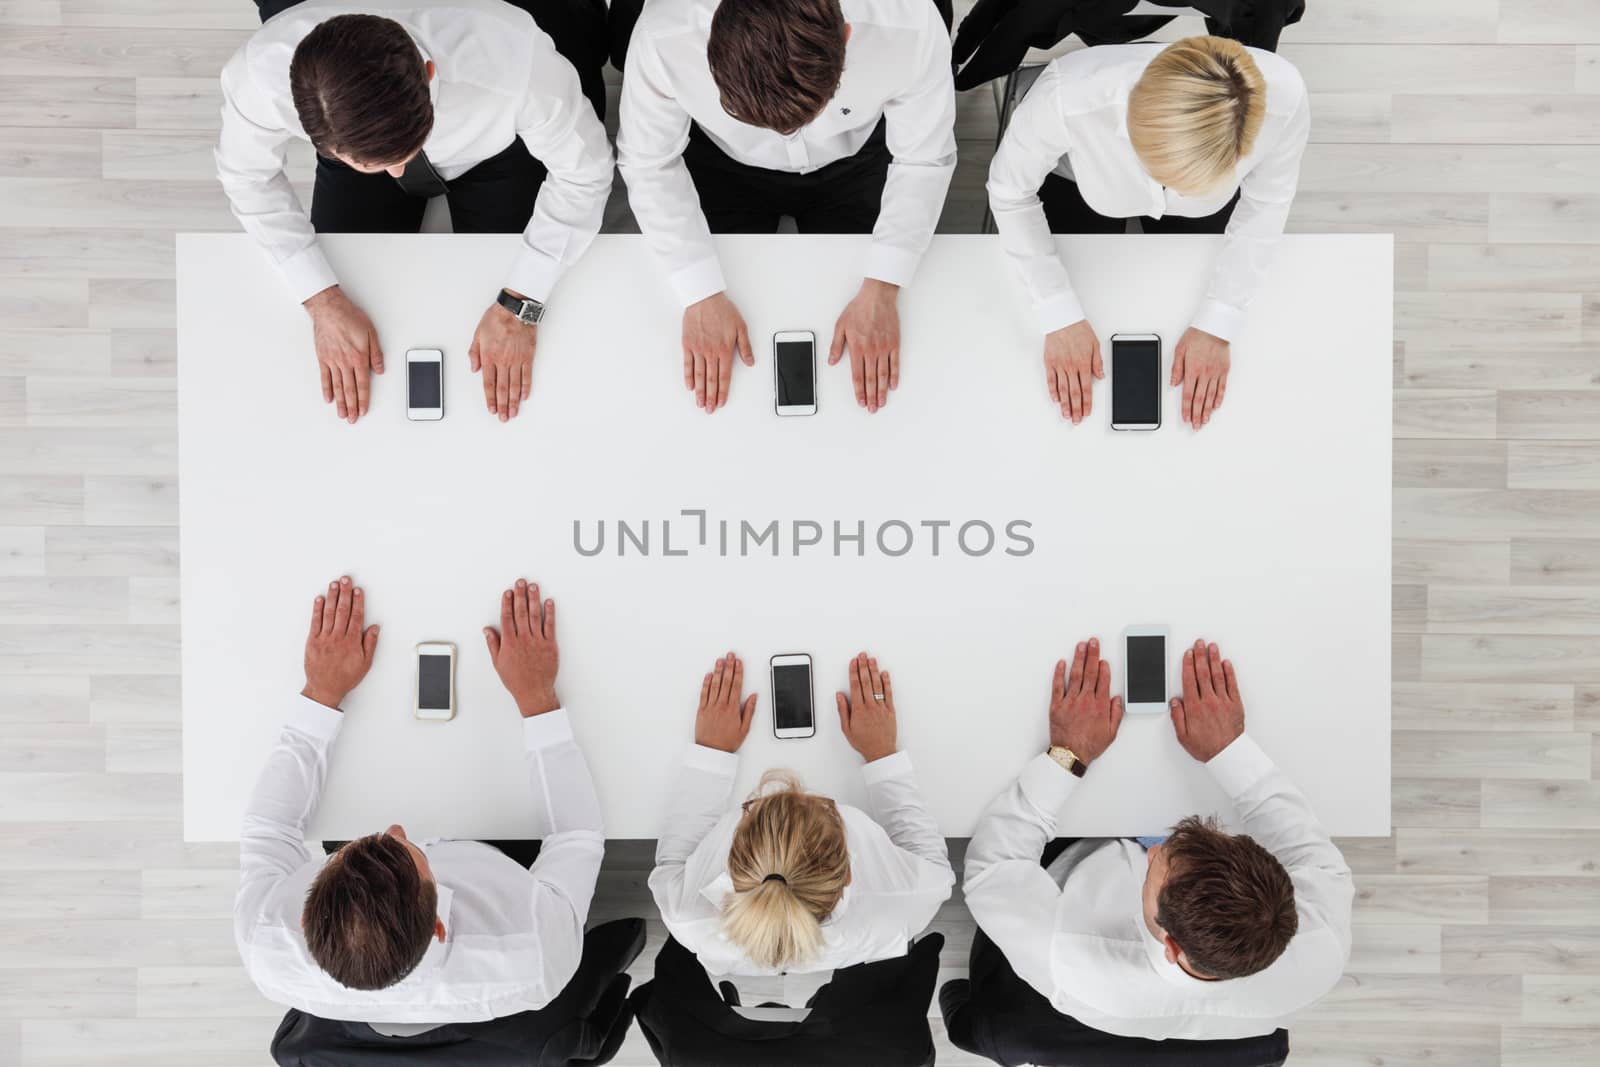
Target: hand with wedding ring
x=866 y=715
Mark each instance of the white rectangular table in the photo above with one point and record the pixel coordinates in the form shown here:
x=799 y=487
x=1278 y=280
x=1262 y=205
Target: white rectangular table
x=1268 y=531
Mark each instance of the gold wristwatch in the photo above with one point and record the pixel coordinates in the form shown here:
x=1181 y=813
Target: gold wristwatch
x=1068 y=760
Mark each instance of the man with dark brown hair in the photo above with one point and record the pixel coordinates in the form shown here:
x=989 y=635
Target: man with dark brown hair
x=389 y=930
x=1204 y=935
x=405 y=100
x=837 y=113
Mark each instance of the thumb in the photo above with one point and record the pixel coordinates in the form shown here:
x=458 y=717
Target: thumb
x=1180 y=722
x=836 y=349
x=746 y=353
x=472 y=356
x=1116 y=713
x=844 y=712
x=492 y=639
x=1098 y=367
x=1177 y=365
x=748 y=715
x=369 y=642
x=375 y=351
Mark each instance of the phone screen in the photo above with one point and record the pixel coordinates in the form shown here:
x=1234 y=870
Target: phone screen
x=433 y=682
x=796 y=377
x=1135 y=383
x=791 y=696
x=423 y=384
x=1147 y=669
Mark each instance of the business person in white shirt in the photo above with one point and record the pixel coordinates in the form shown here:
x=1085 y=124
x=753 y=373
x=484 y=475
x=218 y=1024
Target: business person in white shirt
x=1208 y=935
x=789 y=881
x=1200 y=136
x=404 y=100
x=840 y=113
x=395 y=931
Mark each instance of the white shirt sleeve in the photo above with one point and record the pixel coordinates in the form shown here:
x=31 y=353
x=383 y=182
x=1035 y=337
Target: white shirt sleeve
x=652 y=132
x=1279 y=817
x=920 y=132
x=698 y=803
x=1035 y=140
x=559 y=127
x=250 y=155
x=1011 y=897
x=272 y=843
x=895 y=803
x=563 y=877
x=1265 y=196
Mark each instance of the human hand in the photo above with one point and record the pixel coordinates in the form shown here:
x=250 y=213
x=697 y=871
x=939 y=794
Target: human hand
x=347 y=351
x=869 y=329
x=339 y=647
x=867 y=715
x=1210 y=715
x=502 y=348
x=725 y=714
x=1084 y=716
x=524 y=649
x=713 y=333
x=1201 y=364
x=1071 y=365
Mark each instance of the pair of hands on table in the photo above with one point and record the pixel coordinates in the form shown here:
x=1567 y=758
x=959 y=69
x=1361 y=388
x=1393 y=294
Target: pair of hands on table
x=1072 y=364
x=868 y=329
x=725 y=714
x=1084 y=716
x=348 y=354
x=340 y=646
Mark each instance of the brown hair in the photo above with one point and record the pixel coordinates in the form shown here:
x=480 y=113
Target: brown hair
x=776 y=63
x=1227 y=901
x=789 y=863
x=1196 y=111
x=361 y=89
x=369 y=915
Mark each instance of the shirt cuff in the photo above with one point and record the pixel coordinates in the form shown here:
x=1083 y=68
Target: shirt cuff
x=315 y=720
x=894 y=765
x=1047 y=785
x=546 y=730
x=1058 y=312
x=886 y=263
x=698 y=280
x=714 y=760
x=307 y=273
x=1219 y=319
x=1239 y=766
x=534 y=275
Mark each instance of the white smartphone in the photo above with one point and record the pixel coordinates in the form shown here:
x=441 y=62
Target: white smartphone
x=436 y=681
x=1135 y=381
x=792 y=712
x=425 y=385
x=794 y=369
x=1144 y=662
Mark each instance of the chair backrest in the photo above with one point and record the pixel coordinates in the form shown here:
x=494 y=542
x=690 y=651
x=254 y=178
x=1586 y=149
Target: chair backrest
x=872 y=1014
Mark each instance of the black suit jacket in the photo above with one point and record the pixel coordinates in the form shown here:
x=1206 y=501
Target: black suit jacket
x=997 y=33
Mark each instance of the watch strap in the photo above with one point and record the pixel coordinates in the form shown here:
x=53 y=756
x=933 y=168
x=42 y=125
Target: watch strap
x=1068 y=760
x=527 y=312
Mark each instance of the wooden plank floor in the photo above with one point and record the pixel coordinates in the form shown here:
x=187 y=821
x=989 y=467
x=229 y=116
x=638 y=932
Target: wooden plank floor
x=1469 y=128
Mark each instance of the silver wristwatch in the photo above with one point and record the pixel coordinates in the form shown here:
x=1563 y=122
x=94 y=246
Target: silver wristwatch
x=528 y=312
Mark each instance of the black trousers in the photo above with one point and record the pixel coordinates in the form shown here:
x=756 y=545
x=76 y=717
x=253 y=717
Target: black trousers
x=842 y=197
x=1067 y=212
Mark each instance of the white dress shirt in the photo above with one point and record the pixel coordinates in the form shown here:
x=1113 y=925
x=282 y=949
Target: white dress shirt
x=513 y=935
x=897 y=67
x=1085 y=945
x=1074 y=121
x=497 y=77
x=899 y=867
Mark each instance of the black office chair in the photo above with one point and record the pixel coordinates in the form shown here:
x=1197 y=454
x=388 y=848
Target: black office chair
x=871 y=1015
x=583 y=1027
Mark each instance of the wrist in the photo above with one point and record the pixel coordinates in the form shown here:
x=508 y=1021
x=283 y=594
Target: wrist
x=879 y=289
x=873 y=755
x=328 y=698
x=538 y=703
x=321 y=301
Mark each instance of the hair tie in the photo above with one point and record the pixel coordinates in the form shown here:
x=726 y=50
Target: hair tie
x=774 y=878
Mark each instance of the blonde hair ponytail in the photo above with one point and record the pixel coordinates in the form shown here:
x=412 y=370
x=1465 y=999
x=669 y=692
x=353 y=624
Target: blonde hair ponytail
x=1196 y=111
x=789 y=863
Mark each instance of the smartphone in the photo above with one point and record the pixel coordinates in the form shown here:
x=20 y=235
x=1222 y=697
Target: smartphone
x=436 y=681
x=1135 y=381
x=425 y=385
x=794 y=366
x=1144 y=655
x=792 y=712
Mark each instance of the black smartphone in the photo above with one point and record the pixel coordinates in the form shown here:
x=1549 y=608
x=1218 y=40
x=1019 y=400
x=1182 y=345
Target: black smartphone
x=1135 y=381
x=792 y=712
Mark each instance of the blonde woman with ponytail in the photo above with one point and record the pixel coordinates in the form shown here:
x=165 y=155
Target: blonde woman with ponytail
x=1200 y=136
x=788 y=881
